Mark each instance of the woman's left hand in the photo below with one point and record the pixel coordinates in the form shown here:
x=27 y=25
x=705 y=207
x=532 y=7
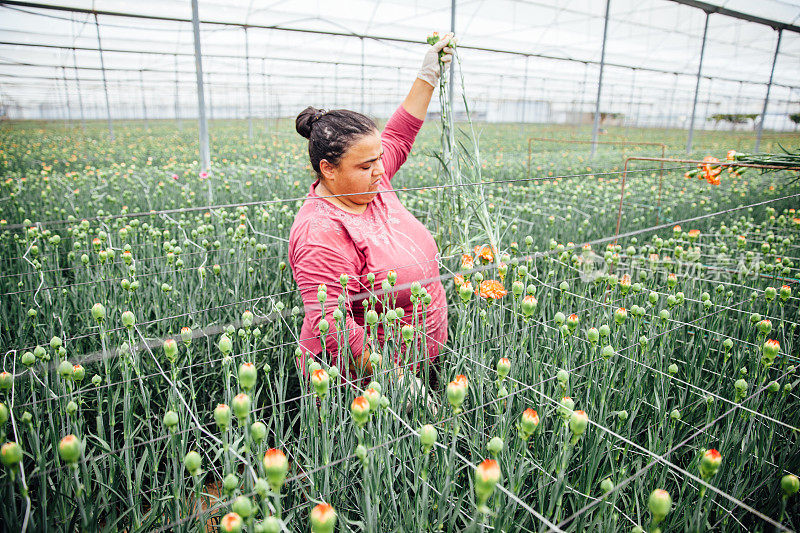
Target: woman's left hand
x=429 y=72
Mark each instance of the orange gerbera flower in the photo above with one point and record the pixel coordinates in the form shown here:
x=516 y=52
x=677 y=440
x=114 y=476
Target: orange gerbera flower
x=493 y=289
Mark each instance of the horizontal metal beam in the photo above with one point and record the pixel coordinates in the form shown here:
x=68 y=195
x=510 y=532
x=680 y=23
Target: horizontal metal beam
x=711 y=8
x=352 y=63
x=358 y=64
x=187 y=54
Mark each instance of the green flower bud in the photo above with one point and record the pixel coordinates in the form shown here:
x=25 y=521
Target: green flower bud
x=247 y=376
x=578 y=423
x=11 y=454
x=323 y=519
x=241 y=406
x=230 y=483
x=660 y=504
x=222 y=416
x=276 y=466
x=28 y=359
x=170 y=419
x=710 y=462
x=261 y=488
x=128 y=319
x=258 y=432
x=171 y=350
x=98 y=312
x=69 y=449
x=487 y=475
x=427 y=437
x=242 y=506
x=607 y=352
x=790 y=485
x=65 y=369
x=225 y=344
x=495 y=446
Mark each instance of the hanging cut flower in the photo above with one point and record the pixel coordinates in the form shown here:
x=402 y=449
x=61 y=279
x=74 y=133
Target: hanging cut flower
x=710 y=172
x=493 y=289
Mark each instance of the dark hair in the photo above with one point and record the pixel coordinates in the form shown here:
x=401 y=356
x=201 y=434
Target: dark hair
x=331 y=133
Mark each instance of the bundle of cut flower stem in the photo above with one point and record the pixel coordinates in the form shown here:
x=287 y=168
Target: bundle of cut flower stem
x=786 y=160
x=461 y=165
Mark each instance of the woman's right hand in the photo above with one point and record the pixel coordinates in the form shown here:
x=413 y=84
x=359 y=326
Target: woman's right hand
x=429 y=72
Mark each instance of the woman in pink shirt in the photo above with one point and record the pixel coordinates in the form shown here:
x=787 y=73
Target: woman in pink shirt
x=352 y=227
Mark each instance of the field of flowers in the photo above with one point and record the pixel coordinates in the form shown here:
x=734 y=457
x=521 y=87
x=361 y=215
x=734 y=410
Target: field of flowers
x=592 y=382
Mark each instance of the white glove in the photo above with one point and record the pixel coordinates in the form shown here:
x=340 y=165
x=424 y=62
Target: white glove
x=429 y=72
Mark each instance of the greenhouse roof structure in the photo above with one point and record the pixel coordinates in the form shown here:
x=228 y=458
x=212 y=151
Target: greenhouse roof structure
x=545 y=53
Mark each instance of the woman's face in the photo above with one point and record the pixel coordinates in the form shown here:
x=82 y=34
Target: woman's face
x=359 y=171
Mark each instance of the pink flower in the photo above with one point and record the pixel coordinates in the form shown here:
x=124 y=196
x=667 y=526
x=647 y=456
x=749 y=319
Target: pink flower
x=174 y=176
x=203 y=175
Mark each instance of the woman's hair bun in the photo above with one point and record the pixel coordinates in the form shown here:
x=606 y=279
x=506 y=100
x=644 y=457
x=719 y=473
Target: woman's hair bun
x=306 y=119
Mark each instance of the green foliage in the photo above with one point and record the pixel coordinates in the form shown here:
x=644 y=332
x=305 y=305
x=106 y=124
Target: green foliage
x=737 y=118
x=225 y=272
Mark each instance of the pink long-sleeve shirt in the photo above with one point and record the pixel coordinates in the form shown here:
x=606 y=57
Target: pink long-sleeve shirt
x=326 y=241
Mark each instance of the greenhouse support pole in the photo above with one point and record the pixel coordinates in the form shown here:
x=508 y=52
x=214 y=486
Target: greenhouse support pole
x=631 y=104
x=525 y=92
x=66 y=97
x=78 y=87
x=708 y=99
x=769 y=86
x=583 y=93
x=210 y=96
x=205 y=156
x=144 y=100
x=105 y=82
x=596 y=126
x=336 y=85
x=452 y=63
x=697 y=86
x=177 y=97
x=362 y=74
x=264 y=92
x=247 y=70
x=671 y=115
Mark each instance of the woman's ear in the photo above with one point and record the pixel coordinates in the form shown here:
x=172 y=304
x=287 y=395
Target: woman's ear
x=327 y=170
